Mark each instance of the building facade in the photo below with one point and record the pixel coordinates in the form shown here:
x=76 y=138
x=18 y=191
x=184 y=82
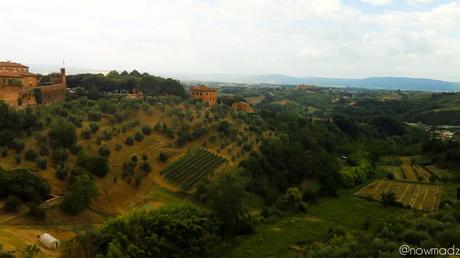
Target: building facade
x=242 y=106
x=206 y=94
x=17 y=74
x=20 y=88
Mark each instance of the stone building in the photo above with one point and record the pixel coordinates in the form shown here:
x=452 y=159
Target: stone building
x=206 y=94
x=20 y=88
x=16 y=74
x=242 y=106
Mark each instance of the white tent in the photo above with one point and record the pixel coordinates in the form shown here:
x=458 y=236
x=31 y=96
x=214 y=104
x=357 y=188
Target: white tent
x=49 y=241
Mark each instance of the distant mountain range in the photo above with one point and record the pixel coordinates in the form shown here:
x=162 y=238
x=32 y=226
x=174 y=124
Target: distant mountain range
x=389 y=83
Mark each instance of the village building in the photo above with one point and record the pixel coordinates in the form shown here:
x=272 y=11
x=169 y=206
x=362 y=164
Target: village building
x=206 y=94
x=11 y=73
x=242 y=106
x=19 y=87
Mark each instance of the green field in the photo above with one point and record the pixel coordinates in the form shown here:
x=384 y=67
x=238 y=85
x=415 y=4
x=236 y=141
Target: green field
x=347 y=211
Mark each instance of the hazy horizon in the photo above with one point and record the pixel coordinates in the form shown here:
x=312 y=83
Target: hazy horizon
x=329 y=38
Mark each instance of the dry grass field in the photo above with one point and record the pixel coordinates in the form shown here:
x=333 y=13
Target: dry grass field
x=410 y=195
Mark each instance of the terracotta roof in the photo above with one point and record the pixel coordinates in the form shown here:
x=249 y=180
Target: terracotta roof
x=13 y=74
x=11 y=64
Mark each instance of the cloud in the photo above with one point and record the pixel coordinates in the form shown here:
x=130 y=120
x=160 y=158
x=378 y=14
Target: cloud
x=416 y=2
x=298 y=37
x=378 y=2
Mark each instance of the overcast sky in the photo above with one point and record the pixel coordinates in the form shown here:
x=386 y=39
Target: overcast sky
x=333 y=38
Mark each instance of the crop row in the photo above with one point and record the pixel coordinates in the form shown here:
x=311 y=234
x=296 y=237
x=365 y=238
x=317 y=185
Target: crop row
x=194 y=166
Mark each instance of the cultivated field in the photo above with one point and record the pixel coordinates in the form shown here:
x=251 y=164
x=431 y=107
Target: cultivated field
x=415 y=169
x=188 y=170
x=410 y=195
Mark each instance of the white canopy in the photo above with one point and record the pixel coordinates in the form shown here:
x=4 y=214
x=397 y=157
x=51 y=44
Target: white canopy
x=49 y=241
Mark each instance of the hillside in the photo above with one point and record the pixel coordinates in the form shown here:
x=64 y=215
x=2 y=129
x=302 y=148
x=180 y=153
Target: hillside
x=388 y=83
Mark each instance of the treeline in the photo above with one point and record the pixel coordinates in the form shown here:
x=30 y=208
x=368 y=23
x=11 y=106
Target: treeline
x=125 y=82
x=434 y=230
x=167 y=232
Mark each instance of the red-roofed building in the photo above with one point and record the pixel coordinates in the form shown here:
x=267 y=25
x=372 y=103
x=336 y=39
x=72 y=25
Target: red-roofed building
x=206 y=94
x=11 y=73
x=19 y=87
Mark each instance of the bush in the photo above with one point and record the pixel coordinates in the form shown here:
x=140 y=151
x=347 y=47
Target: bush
x=4 y=151
x=17 y=159
x=12 y=203
x=18 y=145
x=129 y=140
x=42 y=163
x=62 y=172
x=163 y=156
x=104 y=151
x=147 y=130
x=62 y=134
x=118 y=147
x=94 y=127
x=30 y=155
x=37 y=212
x=139 y=136
x=59 y=156
x=310 y=195
x=146 y=167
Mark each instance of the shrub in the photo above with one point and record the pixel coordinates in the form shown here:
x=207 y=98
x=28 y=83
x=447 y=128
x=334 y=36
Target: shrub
x=118 y=147
x=30 y=155
x=62 y=172
x=42 y=163
x=37 y=212
x=163 y=156
x=18 y=145
x=94 y=116
x=310 y=195
x=97 y=165
x=94 y=127
x=147 y=130
x=129 y=140
x=389 y=199
x=43 y=150
x=59 y=156
x=17 y=159
x=12 y=203
x=4 y=151
x=86 y=134
x=139 y=136
x=104 y=151
x=146 y=167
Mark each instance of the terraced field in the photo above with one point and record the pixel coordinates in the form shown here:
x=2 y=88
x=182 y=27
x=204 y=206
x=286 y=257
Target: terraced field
x=191 y=168
x=411 y=195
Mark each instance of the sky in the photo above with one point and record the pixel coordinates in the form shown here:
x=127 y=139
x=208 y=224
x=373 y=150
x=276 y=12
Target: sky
x=321 y=38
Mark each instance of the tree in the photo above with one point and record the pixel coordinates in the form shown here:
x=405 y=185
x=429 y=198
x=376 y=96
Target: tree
x=225 y=198
x=62 y=134
x=12 y=203
x=38 y=94
x=82 y=190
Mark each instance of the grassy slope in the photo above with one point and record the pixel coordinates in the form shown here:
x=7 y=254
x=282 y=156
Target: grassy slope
x=114 y=198
x=347 y=211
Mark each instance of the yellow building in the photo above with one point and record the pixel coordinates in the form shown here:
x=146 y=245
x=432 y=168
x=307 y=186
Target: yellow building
x=11 y=73
x=206 y=94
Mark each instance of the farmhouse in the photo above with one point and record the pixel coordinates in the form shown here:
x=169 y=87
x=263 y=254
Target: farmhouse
x=206 y=94
x=242 y=106
x=19 y=87
x=14 y=73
